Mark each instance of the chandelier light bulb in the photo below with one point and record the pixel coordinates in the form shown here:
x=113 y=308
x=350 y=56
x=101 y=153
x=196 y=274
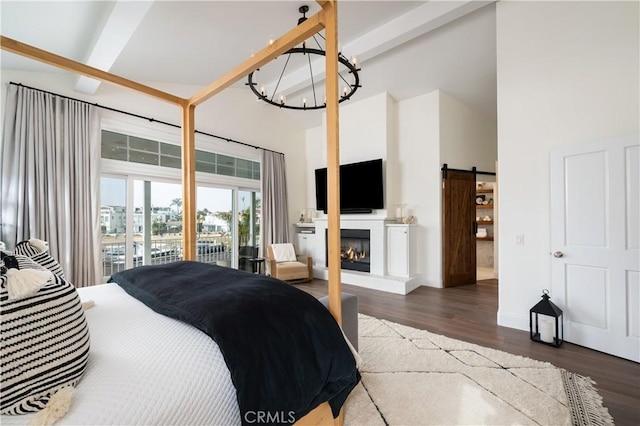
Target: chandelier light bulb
x=345 y=91
x=263 y=92
x=282 y=99
x=354 y=61
x=304 y=102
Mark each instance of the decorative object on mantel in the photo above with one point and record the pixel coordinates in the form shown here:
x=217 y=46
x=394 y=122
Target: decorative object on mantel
x=545 y=322
x=306 y=215
x=400 y=212
x=304 y=55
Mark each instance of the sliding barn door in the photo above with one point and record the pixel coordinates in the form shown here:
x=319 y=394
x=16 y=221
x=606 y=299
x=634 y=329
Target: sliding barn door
x=458 y=228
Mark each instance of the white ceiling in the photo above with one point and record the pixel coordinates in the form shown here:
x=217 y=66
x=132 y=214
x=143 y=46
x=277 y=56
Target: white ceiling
x=405 y=48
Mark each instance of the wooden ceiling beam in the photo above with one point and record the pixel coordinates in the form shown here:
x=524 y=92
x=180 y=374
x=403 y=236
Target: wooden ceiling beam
x=294 y=37
x=22 y=49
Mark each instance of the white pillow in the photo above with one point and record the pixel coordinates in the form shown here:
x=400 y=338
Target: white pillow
x=45 y=341
x=284 y=252
x=38 y=251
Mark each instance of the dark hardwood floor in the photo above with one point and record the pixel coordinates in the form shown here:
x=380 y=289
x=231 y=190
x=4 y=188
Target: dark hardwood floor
x=469 y=313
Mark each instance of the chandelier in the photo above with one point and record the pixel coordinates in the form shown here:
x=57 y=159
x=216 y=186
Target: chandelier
x=306 y=55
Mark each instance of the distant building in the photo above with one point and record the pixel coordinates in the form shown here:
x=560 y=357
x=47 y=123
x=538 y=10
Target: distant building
x=212 y=223
x=113 y=219
x=158 y=215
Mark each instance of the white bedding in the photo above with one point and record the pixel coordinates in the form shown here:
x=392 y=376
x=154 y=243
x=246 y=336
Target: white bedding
x=145 y=368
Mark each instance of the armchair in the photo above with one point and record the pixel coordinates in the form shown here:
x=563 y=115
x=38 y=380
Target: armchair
x=284 y=264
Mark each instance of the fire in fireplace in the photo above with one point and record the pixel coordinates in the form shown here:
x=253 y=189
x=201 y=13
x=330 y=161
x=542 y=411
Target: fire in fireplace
x=355 y=249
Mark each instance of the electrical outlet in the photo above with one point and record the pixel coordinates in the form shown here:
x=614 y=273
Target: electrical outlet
x=519 y=239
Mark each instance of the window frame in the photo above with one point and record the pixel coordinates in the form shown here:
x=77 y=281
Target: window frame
x=130 y=172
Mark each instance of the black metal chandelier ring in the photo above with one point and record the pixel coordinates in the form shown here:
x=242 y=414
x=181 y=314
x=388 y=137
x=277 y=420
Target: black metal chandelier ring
x=350 y=89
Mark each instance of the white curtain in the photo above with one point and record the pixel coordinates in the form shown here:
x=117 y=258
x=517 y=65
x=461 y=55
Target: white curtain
x=275 y=208
x=50 y=179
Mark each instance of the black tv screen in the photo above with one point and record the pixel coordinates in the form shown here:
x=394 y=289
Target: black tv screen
x=361 y=187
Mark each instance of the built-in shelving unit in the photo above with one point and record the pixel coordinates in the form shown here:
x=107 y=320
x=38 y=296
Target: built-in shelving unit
x=480 y=218
x=486 y=246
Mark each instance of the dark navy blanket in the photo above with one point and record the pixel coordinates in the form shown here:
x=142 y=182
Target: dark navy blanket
x=285 y=351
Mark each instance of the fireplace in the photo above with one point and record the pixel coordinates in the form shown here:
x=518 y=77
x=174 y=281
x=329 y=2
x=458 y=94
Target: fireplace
x=355 y=249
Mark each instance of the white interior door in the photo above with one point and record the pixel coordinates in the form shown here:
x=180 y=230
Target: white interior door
x=595 y=244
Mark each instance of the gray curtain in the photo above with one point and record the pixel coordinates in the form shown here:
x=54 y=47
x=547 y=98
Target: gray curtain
x=50 y=179
x=275 y=208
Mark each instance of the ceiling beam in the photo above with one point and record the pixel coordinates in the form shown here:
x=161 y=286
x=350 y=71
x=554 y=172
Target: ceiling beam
x=296 y=36
x=49 y=58
x=416 y=22
x=125 y=17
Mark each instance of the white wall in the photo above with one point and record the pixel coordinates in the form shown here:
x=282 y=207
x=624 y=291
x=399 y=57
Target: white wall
x=419 y=178
x=567 y=74
x=234 y=113
x=366 y=128
x=409 y=135
x=467 y=138
x=316 y=158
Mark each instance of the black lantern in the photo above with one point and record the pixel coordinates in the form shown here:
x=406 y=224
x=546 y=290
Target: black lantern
x=545 y=322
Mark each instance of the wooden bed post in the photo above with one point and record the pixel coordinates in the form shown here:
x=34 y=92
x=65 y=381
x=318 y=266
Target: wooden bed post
x=333 y=159
x=188 y=181
x=31 y=52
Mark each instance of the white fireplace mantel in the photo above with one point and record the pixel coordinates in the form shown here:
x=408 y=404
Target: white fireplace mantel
x=377 y=278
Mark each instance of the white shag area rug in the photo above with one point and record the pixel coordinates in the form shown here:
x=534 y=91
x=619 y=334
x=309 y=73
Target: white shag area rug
x=414 y=377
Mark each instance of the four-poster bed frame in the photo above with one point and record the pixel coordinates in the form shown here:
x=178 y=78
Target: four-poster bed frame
x=325 y=19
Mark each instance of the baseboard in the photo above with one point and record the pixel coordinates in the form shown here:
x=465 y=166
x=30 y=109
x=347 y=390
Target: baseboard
x=513 y=321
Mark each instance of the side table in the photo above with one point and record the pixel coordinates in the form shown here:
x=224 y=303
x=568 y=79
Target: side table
x=257 y=264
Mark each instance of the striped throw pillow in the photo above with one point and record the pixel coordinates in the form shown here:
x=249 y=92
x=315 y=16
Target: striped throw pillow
x=38 y=250
x=44 y=343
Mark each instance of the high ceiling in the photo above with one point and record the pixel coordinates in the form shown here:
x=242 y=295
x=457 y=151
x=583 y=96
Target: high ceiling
x=405 y=48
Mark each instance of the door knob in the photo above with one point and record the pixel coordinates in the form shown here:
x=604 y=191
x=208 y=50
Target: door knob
x=558 y=254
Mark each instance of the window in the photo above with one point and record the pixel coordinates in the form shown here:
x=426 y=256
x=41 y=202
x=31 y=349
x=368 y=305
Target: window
x=248 y=218
x=116 y=146
x=141 y=216
x=113 y=225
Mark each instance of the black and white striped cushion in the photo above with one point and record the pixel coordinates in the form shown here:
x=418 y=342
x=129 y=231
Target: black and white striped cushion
x=26 y=248
x=44 y=343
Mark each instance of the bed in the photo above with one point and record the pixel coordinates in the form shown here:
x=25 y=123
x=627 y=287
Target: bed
x=148 y=368
x=325 y=19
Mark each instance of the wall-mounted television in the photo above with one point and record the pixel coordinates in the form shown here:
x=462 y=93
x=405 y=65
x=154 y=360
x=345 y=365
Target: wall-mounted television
x=361 y=187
